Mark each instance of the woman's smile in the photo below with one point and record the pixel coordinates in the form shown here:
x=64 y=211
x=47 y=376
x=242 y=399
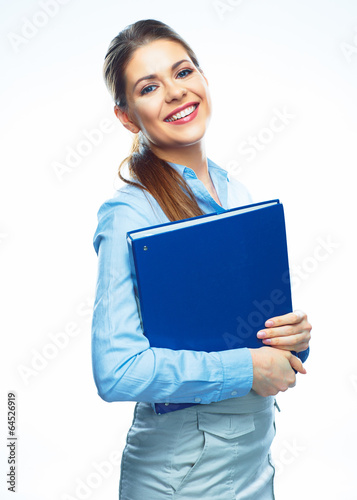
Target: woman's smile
x=188 y=113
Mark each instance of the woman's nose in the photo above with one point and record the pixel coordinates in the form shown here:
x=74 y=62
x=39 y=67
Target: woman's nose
x=175 y=90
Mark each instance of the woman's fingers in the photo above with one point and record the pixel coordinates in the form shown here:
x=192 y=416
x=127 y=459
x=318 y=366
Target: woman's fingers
x=291 y=331
x=297 y=364
x=286 y=319
x=296 y=343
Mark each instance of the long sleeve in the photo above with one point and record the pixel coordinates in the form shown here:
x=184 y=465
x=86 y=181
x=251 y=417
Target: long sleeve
x=125 y=367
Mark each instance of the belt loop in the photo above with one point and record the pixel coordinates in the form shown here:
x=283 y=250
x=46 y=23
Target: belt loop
x=276 y=404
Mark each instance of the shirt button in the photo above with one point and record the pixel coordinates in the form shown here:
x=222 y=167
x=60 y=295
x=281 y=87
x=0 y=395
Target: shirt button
x=167 y=404
x=190 y=174
x=234 y=393
x=198 y=400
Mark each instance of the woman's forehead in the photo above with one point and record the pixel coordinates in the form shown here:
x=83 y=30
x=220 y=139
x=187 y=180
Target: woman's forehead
x=153 y=58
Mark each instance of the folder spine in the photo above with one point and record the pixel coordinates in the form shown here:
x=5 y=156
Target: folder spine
x=132 y=258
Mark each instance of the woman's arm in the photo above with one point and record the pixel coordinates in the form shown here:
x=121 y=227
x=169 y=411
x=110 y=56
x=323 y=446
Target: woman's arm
x=125 y=367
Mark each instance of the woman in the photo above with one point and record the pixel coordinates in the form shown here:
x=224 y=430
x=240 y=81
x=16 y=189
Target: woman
x=220 y=447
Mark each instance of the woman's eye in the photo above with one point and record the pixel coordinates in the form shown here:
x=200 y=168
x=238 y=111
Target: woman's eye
x=184 y=73
x=147 y=90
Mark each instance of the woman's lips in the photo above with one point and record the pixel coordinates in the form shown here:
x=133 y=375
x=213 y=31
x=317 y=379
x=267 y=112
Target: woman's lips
x=189 y=111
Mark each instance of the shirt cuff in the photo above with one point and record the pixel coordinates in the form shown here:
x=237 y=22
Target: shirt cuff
x=237 y=366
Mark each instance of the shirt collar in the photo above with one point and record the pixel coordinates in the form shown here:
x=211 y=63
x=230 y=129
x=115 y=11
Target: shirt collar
x=213 y=168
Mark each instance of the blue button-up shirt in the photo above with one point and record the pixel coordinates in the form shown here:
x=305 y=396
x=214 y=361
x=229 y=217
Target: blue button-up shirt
x=125 y=367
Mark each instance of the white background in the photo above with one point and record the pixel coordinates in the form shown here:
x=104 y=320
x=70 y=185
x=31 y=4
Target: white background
x=259 y=56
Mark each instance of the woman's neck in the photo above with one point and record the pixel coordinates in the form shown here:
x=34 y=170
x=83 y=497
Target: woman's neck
x=193 y=157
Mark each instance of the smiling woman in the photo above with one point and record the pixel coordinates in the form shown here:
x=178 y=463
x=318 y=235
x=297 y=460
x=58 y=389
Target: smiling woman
x=220 y=446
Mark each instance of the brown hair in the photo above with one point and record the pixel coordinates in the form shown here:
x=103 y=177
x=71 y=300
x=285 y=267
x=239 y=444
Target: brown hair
x=149 y=172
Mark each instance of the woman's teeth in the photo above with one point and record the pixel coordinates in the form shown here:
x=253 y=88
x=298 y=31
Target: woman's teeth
x=182 y=114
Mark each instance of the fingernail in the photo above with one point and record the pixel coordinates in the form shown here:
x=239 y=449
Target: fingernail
x=261 y=335
x=269 y=323
x=267 y=341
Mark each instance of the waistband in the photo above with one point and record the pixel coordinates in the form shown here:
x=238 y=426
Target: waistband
x=250 y=403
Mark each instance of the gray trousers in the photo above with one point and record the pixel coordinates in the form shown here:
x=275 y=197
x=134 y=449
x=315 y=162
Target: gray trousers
x=217 y=451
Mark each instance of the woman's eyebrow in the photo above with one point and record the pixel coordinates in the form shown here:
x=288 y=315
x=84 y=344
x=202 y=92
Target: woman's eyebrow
x=149 y=77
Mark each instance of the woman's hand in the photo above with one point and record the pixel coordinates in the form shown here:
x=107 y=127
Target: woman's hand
x=273 y=370
x=290 y=332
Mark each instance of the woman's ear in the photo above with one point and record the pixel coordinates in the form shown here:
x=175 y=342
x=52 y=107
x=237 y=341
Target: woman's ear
x=125 y=120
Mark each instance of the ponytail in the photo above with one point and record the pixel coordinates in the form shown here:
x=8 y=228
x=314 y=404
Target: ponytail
x=161 y=180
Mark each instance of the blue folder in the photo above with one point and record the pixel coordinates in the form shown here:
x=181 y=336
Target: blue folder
x=209 y=283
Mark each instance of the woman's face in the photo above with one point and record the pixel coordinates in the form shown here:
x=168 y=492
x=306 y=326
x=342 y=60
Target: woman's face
x=162 y=81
